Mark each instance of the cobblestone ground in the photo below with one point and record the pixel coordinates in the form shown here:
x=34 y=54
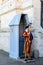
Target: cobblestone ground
x=5 y=60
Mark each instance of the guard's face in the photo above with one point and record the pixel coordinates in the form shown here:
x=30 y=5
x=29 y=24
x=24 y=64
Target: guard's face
x=30 y=29
x=27 y=30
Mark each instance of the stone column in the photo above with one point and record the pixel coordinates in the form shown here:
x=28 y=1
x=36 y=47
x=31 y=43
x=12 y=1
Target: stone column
x=0 y=22
x=0 y=1
x=37 y=12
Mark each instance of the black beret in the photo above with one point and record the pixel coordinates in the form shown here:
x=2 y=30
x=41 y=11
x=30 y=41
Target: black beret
x=28 y=25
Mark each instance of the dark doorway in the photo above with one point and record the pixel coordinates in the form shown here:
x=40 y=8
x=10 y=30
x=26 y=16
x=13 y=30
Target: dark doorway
x=42 y=14
x=21 y=39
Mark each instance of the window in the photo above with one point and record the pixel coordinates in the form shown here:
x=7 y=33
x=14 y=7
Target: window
x=42 y=14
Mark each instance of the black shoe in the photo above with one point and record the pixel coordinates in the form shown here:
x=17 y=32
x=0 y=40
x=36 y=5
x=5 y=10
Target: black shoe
x=25 y=59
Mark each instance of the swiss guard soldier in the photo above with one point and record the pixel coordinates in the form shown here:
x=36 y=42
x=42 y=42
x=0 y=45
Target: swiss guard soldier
x=28 y=41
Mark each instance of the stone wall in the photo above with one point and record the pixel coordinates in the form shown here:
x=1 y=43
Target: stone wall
x=37 y=13
x=4 y=40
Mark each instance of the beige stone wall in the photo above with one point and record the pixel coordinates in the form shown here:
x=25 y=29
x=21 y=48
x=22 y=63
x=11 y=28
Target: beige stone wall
x=23 y=7
x=37 y=12
x=4 y=40
x=10 y=8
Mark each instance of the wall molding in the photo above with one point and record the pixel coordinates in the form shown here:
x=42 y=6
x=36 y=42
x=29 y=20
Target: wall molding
x=15 y=9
